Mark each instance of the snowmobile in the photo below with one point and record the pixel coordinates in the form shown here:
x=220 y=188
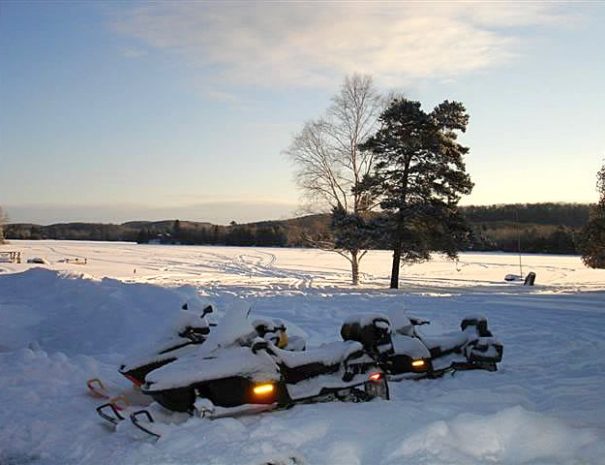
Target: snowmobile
x=192 y=329
x=404 y=352
x=236 y=371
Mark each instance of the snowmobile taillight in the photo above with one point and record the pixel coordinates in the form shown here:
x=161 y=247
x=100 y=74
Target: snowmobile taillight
x=262 y=390
x=418 y=363
x=135 y=381
x=375 y=377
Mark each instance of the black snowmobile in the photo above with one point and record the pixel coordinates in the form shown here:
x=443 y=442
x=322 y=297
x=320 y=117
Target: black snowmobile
x=192 y=330
x=403 y=352
x=243 y=367
x=235 y=371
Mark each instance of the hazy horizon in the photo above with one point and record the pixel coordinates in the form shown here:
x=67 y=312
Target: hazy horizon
x=209 y=212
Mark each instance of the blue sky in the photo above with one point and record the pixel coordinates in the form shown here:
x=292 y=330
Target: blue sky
x=111 y=111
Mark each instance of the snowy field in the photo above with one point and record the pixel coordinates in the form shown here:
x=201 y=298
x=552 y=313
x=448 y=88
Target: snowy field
x=64 y=322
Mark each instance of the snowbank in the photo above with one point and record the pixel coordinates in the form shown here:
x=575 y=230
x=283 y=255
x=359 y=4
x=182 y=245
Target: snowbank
x=76 y=314
x=511 y=436
x=57 y=329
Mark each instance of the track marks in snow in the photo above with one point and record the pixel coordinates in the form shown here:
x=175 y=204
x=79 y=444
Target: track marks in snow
x=552 y=372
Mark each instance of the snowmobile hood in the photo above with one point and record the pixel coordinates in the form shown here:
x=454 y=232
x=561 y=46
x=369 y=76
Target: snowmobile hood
x=193 y=368
x=410 y=346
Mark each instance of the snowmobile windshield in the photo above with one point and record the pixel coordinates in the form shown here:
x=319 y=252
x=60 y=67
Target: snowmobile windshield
x=233 y=327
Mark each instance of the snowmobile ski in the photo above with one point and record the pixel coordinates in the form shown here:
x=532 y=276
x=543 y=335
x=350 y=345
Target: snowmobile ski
x=113 y=410
x=96 y=388
x=135 y=419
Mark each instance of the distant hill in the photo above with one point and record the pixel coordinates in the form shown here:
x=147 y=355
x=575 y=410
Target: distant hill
x=573 y=215
x=164 y=224
x=541 y=227
x=538 y=227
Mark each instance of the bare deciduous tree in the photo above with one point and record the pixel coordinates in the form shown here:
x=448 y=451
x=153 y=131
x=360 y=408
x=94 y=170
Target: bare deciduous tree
x=329 y=164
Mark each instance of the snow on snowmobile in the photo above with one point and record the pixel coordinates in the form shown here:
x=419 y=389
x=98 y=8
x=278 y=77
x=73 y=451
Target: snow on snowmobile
x=192 y=328
x=404 y=352
x=235 y=372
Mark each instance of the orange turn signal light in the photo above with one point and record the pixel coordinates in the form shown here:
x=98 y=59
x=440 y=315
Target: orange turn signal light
x=375 y=377
x=263 y=389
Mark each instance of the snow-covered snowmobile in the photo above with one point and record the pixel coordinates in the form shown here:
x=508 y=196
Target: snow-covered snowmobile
x=403 y=351
x=191 y=329
x=235 y=371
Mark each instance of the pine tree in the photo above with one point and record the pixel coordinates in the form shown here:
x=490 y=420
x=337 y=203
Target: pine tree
x=177 y=231
x=2 y=221
x=591 y=243
x=419 y=175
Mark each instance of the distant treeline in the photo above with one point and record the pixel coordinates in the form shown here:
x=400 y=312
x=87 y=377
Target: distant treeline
x=536 y=228
x=540 y=228
x=264 y=235
x=162 y=232
x=573 y=215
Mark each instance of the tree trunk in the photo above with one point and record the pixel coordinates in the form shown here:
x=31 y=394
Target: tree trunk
x=395 y=268
x=354 y=268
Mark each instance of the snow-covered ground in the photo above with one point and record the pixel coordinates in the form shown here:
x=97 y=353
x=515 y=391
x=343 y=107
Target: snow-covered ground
x=64 y=322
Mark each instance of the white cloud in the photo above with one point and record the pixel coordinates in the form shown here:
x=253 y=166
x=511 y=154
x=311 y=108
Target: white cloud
x=129 y=52
x=221 y=96
x=311 y=44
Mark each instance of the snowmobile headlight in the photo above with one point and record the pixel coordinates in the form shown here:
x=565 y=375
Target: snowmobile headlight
x=418 y=363
x=375 y=377
x=263 y=389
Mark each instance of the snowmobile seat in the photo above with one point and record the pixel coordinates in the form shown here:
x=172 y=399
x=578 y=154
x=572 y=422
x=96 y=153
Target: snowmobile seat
x=373 y=331
x=328 y=358
x=445 y=343
x=137 y=367
x=479 y=322
x=485 y=350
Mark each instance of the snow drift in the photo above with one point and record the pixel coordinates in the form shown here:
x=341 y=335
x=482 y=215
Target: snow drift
x=57 y=329
x=76 y=314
